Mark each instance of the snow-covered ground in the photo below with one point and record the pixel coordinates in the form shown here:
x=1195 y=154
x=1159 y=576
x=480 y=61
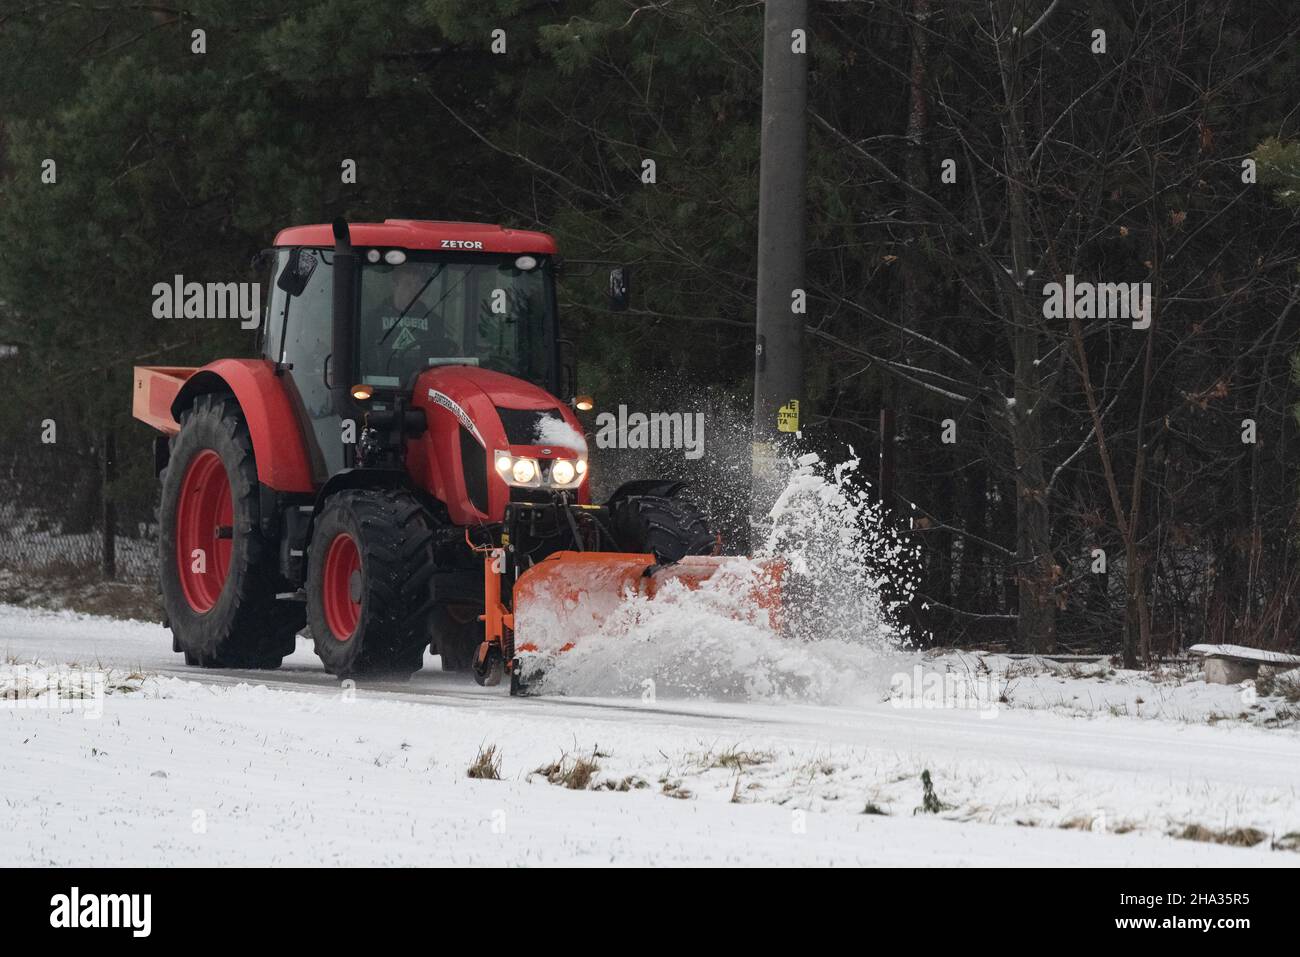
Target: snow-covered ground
x=1030 y=764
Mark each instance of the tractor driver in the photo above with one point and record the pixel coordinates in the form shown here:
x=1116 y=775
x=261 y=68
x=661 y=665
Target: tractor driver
x=408 y=326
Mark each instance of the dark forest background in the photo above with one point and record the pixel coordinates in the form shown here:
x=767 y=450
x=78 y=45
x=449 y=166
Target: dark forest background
x=1169 y=156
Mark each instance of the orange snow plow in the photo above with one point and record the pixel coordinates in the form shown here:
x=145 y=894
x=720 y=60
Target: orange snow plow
x=569 y=596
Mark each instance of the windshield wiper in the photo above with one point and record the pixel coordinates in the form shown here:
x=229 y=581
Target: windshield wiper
x=463 y=277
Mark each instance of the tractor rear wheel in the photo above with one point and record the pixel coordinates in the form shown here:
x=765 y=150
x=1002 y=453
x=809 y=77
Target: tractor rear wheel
x=368 y=583
x=218 y=576
x=667 y=528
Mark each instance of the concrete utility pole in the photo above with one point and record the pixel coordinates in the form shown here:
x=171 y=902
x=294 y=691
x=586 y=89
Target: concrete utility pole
x=778 y=353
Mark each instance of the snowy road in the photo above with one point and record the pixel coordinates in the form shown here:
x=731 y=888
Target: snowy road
x=285 y=767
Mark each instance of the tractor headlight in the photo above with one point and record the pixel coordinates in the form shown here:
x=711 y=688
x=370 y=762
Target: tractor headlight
x=516 y=469
x=563 y=472
x=524 y=471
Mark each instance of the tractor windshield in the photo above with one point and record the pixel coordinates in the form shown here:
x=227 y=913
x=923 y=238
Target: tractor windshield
x=429 y=310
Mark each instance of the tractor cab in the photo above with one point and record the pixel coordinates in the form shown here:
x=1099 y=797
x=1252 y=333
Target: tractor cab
x=420 y=295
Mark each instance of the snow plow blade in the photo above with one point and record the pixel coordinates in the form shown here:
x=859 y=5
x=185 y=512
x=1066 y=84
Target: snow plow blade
x=573 y=593
x=569 y=595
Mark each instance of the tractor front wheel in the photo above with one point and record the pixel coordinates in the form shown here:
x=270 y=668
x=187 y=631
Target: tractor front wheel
x=368 y=583
x=669 y=529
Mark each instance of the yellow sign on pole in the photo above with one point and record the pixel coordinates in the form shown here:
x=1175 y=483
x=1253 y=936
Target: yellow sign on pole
x=787 y=417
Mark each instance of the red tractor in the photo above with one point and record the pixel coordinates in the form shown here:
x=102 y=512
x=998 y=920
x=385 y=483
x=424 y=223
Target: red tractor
x=394 y=470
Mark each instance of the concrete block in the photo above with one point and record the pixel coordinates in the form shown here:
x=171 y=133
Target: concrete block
x=1229 y=671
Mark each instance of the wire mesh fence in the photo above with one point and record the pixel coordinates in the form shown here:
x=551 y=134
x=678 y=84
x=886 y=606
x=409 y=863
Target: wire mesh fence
x=65 y=511
x=41 y=543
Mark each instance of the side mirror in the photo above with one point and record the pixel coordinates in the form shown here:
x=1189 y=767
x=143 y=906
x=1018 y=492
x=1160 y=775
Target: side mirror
x=620 y=288
x=297 y=271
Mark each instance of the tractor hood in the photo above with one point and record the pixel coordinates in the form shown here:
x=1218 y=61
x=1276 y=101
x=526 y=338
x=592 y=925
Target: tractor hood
x=500 y=407
x=472 y=414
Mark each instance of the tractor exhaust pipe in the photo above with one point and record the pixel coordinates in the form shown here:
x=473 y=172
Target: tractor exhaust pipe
x=341 y=365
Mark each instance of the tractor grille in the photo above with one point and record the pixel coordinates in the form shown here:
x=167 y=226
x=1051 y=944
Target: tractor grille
x=521 y=424
x=536 y=496
x=473 y=460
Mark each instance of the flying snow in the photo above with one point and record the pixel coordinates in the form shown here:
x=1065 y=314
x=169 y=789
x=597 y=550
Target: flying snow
x=830 y=641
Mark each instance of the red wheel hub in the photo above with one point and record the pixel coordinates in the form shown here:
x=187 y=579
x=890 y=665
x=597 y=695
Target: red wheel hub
x=204 y=533
x=341 y=588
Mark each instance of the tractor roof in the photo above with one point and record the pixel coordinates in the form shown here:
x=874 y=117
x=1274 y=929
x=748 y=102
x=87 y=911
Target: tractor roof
x=424 y=234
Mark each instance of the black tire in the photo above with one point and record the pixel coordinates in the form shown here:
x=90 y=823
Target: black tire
x=389 y=591
x=246 y=626
x=666 y=528
x=457 y=634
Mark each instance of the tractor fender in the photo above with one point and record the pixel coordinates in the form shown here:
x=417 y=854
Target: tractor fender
x=278 y=445
x=360 y=478
x=663 y=488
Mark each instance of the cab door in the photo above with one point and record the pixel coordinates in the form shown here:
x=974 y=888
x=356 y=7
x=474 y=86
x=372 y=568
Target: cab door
x=301 y=343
